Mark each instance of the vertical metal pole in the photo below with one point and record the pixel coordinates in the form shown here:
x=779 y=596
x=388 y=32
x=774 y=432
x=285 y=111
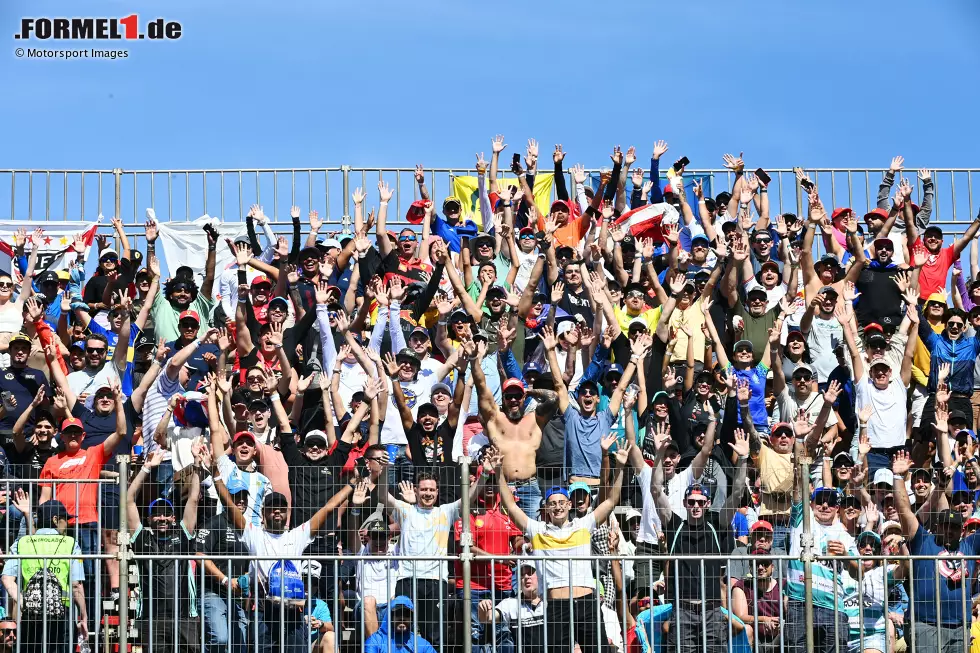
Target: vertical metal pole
x=807 y=551
x=123 y=554
x=465 y=557
x=346 y=217
x=117 y=181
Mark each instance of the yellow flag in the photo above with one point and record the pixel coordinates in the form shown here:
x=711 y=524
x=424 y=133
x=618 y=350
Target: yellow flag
x=466 y=190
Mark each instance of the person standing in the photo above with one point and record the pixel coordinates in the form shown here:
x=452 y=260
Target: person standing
x=45 y=618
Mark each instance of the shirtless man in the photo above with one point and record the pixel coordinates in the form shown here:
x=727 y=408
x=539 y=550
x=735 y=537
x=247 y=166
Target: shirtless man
x=516 y=435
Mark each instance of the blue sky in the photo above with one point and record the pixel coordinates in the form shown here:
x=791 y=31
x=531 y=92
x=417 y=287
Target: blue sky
x=300 y=83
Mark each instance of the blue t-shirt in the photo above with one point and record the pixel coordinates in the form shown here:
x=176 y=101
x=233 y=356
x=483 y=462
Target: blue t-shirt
x=756 y=376
x=740 y=525
x=583 y=453
x=126 y=378
x=950 y=585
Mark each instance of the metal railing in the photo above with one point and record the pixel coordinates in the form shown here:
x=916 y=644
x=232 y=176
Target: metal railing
x=181 y=195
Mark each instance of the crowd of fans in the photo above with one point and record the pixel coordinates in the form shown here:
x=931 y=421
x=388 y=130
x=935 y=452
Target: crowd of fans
x=685 y=405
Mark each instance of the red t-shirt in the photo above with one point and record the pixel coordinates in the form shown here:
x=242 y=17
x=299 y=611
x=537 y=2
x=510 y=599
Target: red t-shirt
x=85 y=464
x=934 y=272
x=491 y=532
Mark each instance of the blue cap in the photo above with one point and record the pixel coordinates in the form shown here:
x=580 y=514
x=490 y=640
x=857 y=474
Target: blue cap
x=533 y=367
x=281 y=300
x=159 y=504
x=78 y=343
x=579 y=485
x=555 y=489
x=614 y=369
x=700 y=237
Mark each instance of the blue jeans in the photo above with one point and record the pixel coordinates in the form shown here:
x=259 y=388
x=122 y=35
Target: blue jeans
x=528 y=497
x=482 y=639
x=87 y=536
x=400 y=467
x=217 y=634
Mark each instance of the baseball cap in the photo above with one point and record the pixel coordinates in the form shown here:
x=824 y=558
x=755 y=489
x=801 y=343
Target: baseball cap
x=632 y=513
x=761 y=525
x=50 y=276
x=408 y=353
x=161 y=505
x=449 y=201
x=579 y=485
x=697 y=488
x=828 y=259
x=841 y=212
x=879 y=213
x=827 y=290
x=802 y=367
x=49 y=510
x=770 y=264
x=421 y=331
x=948 y=517
x=80 y=344
x=242 y=435
x=872 y=328
x=794 y=332
x=441 y=386
x=498 y=291
x=260 y=280
x=702 y=238
x=556 y=489
x=843 y=459
x=278 y=300
x=309 y=252
x=933 y=229
x=510 y=385
x=315 y=435
x=885 y=243
x=782 y=426
x=743 y=343
x=275 y=500
x=72 y=423
x=190 y=314
x=884 y=476
x=613 y=369
x=331 y=243
x=460 y=315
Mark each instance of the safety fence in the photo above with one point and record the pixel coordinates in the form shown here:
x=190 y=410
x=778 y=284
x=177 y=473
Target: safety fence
x=182 y=195
x=183 y=596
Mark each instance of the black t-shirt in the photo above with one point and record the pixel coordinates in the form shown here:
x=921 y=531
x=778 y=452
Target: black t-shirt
x=98 y=428
x=312 y=483
x=550 y=457
x=94 y=290
x=433 y=452
x=27 y=464
x=163 y=579
x=217 y=538
x=707 y=538
x=23 y=384
x=577 y=303
x=881 y=299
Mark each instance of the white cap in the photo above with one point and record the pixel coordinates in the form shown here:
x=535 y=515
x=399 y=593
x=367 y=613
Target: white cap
x=633 y=513
x=564 y=327
x=332 y=242
x=889 y=524
x=884 y=475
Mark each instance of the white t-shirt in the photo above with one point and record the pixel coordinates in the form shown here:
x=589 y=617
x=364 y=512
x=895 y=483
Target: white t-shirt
x=773 y=297
x=675 y=491
x=155 y=405
x=424 y=533
x=260 y=542
x=886 y=428
x=376 y=578
x=554 y=545
x=789 y=406
x=823 y=338
x=513 y=608
x=87 y=382
x=650 y=526
x=416 y=392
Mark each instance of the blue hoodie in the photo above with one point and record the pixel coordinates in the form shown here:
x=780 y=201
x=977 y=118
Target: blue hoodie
x=407 y=642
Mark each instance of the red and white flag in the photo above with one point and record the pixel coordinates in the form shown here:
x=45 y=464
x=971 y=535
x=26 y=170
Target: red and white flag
x=647 y=221
x=55 y=244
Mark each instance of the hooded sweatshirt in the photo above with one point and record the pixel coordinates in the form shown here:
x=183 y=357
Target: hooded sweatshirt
x=407 y=642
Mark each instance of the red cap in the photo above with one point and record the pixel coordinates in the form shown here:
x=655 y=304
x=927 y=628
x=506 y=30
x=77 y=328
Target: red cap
x=416 y=212
x=72 y=422
x=333 y=289
x=971 y=521
x=841 y=212
x=526 y=230
x=770 y=264
x=760 y=525
x=261 y=279
x=190 y=314
x=509 y=384
x=243 y=434
x=668 y=189
x=881 y=213
x=780 y=426
x=563 y=204
x=874 y=326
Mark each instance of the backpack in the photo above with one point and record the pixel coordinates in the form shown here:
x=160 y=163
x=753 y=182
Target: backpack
x=42 y=595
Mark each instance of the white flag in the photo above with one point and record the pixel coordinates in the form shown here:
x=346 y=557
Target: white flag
x=185 y=243
x=55 y=243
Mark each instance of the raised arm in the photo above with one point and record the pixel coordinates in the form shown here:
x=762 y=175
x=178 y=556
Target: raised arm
x=550 y=342
x=391 y=367
x=741 y=448
x=900 y=467
x=609 y=503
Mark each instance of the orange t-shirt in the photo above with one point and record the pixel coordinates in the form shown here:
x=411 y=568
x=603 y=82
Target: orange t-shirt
x=85 y=464
x=571 y=234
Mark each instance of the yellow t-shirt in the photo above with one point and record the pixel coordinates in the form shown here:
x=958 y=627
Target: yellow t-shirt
x=693 y=317
x=921 y=359
x=776 y=482
x=651 y=316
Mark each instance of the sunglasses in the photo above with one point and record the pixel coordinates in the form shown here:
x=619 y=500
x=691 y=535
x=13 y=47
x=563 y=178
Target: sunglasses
x=188 y=324
x=95 y=350
x=527 y=237
x=743 y=350
x=635 y=293
x=763 y=241
x=954 y=325
x=803 y=377
x=6 y=285
x=108 y=259
x=697 y=503
x=588 y=391
x=255 y=379
x=408 y=239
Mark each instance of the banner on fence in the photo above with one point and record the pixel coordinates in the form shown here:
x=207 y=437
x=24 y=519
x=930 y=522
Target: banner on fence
x=466 y=189
x=185 y=243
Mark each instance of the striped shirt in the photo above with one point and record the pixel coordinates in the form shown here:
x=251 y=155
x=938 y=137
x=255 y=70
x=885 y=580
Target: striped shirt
x=555 y=544
x=237 y=480
x=827 y=581
x=155 y=405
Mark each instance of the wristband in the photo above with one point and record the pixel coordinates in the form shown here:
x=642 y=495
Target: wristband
x=274 y=396
x=742 y=459
x=145 y=470
x=383 y=202
x=864 y=425
x=896 y=475
x=225 y=581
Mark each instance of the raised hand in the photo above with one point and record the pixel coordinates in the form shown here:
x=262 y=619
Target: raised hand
x=901 y=462
x=497 y=145
x=607 y=442
x=659 y=149
x=548 y=338
x=741 y=444
x=630 y=158
x=661 y=435
x=735 y=164
x=481 y=164
x=832 y=392
x=742 y=391
x=358 y=195
x=243 y=253
x=384 y=191
x=578 y=173
x=557 y=292
x=924 y=175
x=637 y=177
x=419 y=174
x=391 y=365
x=407 y=491
x=623 y=453
x=898 y=163
x=942 y=417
